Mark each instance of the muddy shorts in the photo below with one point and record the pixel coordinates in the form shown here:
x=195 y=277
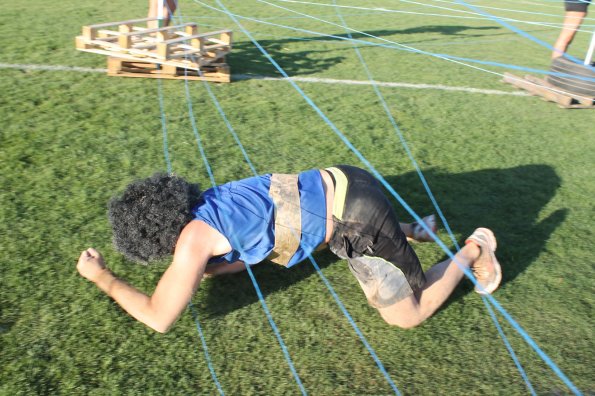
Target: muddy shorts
x=576 y=5
x=367 y=234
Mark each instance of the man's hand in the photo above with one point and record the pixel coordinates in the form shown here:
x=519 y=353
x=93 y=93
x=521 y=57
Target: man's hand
x=176 y=286
x=91 y=265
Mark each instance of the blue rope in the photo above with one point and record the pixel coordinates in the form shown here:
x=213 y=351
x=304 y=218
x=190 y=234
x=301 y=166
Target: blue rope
x=407 y=48
x=429 y=192
x=521 y=68
x=196 y=134
x=479 y=17
x=427 y=188
x=415 y=50
x=194 y=315
x=398 y=131
x=381 y=179
x=386 y=10
x=321 y=114
x=202 y=152
x=521 y=32
x=163 y=125
x=516 y=11
x=276 y=330
x=229 y=126
x=205 y=348
x=509 y=347
x=326 y=282
x=211 y=177
x=169 y=170
x=335 y=296
x=355 y=327
x=249 y=270
x=252 y=278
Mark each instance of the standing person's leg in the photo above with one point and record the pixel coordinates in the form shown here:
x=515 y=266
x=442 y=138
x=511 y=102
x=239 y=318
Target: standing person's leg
x=572 y=21
x=153 y=12
x=575 y=13
x=169 y=7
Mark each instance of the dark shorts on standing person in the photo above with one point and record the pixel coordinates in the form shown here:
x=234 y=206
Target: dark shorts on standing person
x=367 y=234
x=576 y=5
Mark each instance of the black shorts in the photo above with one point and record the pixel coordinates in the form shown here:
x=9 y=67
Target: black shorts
x=576 y=5
x=367 y=234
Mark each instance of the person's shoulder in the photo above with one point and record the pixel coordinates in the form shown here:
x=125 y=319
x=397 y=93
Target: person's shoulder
x=199 y=235
x=198 y=229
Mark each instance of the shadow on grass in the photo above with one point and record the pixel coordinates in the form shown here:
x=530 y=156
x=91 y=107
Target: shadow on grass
x=247 y=59
x=447 y=30
x=508 y=201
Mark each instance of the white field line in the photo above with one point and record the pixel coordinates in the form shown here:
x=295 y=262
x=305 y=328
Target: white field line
x=51 y=68
x=386 y=84
x=298 y=79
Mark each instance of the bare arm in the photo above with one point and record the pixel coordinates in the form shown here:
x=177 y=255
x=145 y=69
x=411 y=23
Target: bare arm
x=175 y=288
x=224 y=268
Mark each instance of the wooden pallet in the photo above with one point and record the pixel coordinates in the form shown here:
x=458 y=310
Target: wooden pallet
x=539 y=87
x=166 y=48
x=214 y=72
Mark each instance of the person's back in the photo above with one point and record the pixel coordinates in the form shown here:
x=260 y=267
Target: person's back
x=244 y=212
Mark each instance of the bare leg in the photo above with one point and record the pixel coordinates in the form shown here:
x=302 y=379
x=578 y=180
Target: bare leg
x=441 y=281
x=572 y=21
x=169 y=7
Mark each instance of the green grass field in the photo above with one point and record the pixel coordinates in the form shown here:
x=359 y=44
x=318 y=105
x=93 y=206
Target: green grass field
x=71 y=139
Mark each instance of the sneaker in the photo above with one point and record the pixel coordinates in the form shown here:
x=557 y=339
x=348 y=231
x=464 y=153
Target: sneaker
x=486 y=268
x=419 y=233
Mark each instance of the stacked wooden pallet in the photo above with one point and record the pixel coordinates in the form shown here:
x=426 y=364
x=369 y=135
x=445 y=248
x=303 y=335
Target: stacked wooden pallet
x=570 y=84
x=547 y=91
x=177 y=52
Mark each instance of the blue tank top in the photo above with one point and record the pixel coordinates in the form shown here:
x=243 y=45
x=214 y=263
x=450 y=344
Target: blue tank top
x=243 y=212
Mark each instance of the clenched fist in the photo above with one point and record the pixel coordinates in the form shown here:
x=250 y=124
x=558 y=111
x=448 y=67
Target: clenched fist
x=91 y=264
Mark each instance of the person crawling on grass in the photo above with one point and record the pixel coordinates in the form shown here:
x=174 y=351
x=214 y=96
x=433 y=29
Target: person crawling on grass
x=281 y=218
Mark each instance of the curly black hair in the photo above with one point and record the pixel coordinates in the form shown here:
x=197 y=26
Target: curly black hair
x=150 y=214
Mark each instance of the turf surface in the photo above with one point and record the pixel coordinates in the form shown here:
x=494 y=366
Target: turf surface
x=516 y=164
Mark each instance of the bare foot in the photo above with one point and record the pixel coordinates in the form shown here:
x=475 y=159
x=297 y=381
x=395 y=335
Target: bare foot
x=419 y=234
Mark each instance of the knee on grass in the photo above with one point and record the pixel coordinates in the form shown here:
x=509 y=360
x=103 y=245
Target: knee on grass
x=403 y=321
